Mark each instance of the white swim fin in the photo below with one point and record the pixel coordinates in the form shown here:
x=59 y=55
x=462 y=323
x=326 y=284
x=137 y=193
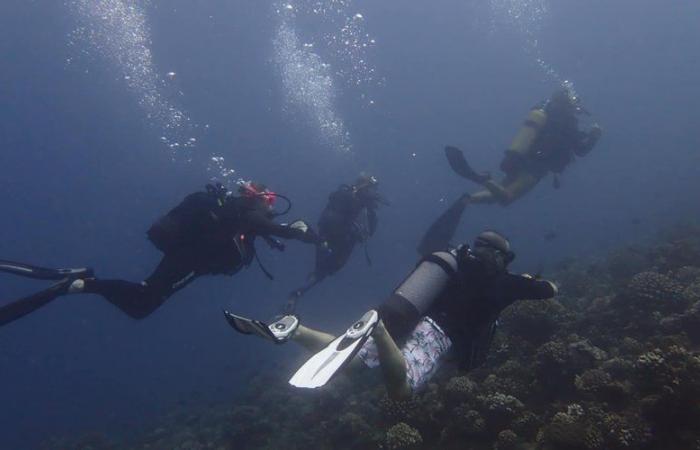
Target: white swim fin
x=318 y=370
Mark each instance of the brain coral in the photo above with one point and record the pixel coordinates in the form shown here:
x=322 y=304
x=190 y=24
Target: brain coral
x=402 y=437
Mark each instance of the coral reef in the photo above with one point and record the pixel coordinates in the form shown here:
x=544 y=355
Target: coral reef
x=506 y=440
x=651 y=291
x=402 y=437
x=460 y=389
x=611 y=364
x=534 y=321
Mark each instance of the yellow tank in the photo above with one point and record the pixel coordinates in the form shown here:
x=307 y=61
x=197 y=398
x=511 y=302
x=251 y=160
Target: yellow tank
x=523 y=140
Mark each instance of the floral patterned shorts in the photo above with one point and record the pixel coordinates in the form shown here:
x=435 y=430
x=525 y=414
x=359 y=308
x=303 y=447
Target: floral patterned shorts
x=422 y=352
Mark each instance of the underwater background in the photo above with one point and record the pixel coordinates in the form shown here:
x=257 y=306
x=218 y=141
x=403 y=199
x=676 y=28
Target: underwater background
x=111 y=111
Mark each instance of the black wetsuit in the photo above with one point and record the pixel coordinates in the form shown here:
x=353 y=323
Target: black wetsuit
x=469 y=309
x=466 y=308
x=348 y=218
x=221 y=243
x=207 y=233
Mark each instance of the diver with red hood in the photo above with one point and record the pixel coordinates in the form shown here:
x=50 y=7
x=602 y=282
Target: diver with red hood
x=208 y=233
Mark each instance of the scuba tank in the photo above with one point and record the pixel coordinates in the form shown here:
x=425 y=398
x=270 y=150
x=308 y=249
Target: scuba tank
x=197 y=215
x=402 y=311
x=425 y=284
x=521 y=145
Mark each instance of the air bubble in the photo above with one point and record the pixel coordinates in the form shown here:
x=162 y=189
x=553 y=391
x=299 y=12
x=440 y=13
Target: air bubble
x=118 y=31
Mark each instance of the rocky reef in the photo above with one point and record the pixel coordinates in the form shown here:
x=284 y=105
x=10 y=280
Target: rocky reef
x=612 y=363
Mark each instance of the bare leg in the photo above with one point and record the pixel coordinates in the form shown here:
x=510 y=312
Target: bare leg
x=312 y=340
x=499 y=191
x=506 y=192
x=493 y=193
x=392 y=363
x=484 y=197
x=514 y=189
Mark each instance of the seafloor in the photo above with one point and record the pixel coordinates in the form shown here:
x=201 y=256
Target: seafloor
x=612 y=363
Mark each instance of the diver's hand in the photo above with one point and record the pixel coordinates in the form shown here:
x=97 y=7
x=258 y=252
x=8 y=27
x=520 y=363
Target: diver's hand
x=300 y=225
x=555 y=287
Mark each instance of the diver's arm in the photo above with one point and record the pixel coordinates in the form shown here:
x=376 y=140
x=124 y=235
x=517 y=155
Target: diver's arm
x=260 y=224
x=525 y=287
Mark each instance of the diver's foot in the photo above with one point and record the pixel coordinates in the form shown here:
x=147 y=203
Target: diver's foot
x=76 y=286
x=70 y=286
x=284 y=328
x=74 y=274
x=365 y=325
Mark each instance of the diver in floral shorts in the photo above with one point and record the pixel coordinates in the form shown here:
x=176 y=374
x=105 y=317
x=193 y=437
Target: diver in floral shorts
x=450 y=302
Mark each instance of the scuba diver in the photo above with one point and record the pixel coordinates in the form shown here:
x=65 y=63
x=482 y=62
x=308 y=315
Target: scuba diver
x=548 y=141
x=450 y=302
x=349 y=218
x=208 y=233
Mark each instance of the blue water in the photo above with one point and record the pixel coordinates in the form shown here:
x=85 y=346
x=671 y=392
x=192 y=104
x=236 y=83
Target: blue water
x=84 y=170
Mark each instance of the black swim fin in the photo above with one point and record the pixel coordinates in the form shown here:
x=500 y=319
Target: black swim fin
x=248 y=326
x=462 y=168
x=43 y=273
x=26 y=305
x=20 y=308
x=441 y=232
x=279 y=332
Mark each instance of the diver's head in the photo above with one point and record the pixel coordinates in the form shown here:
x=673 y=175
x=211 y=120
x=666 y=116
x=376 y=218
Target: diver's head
x=564 y=101
x=251 y=189
x=365 y=181
x=493 y=251
x=366 y=186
